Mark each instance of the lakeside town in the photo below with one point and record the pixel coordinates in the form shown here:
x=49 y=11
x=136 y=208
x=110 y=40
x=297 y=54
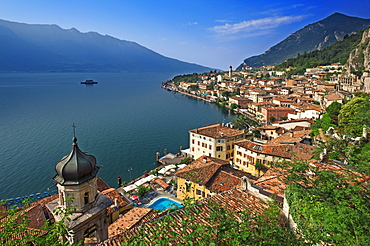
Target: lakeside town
x=241 y=167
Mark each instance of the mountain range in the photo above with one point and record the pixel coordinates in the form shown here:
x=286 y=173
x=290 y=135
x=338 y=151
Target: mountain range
x=49 y=48
x=315 y=36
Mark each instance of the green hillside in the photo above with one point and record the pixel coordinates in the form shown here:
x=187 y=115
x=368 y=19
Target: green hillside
x=338 y=52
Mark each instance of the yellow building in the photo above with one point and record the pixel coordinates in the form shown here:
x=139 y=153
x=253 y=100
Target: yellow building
x=215 y=141
x=254 y=158
x=207 y=176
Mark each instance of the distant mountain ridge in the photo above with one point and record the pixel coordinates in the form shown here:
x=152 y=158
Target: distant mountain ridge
x=49 y=48
x=312 y=37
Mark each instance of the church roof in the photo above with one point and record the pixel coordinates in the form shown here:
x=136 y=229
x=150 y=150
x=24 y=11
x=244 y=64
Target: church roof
x=75 y=168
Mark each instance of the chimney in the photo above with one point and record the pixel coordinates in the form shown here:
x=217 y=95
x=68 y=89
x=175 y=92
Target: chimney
x=222 y=134
x=116 y=202
x=245 y=184
x=291 y=134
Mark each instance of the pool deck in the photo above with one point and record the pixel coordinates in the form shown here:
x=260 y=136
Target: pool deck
x=160 y=194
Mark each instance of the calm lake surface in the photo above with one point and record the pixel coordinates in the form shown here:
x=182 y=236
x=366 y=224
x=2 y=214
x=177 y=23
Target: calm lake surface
x=123 y=121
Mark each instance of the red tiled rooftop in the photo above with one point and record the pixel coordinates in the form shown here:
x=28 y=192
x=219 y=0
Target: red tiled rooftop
x=113 y=194
x=163 y=184
x=101 y=185
x=292 y=136
x=217 y=131
x=128 y=220
x=234 y=200
x=201 y=170
x=289 y=151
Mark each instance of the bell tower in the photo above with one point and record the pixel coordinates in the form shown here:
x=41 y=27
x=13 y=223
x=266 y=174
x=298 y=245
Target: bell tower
x=76 y=179
x=77 y=188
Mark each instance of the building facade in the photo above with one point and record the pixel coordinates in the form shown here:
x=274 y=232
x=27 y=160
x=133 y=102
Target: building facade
x=77 y=188
x=215 y=141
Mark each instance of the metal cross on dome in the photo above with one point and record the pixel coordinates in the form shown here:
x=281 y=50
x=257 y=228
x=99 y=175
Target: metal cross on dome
x=74 y=130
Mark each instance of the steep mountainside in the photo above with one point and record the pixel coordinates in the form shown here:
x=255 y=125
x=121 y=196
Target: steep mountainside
x=359 y=58
x=337 y=52
x=312 y=37
x=45 y=48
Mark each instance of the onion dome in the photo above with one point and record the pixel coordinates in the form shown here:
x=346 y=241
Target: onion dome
x=75 y=168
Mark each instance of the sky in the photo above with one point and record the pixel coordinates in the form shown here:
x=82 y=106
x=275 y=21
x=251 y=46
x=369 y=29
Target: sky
x=216 y=34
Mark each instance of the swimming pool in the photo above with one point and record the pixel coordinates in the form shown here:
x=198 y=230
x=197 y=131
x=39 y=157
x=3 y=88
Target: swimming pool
x=164 y=203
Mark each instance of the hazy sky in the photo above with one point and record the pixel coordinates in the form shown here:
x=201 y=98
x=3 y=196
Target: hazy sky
x=214 y=33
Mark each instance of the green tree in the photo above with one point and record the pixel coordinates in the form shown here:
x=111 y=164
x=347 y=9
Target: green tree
x=272 y=119
x=256 y=133
x=226 y=94
x=193 y=87
x=233 y=106
x=142 y=190
x=354 y=115
x=323 y=123
x=242 y=122
x=333 y=111
x=329 y=207
x=15 y=229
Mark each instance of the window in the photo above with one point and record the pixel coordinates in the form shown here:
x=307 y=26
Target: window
x=198 y=143
x=210 y=147
x=199 y=192
x=192 y=141
x=219 y=148
x=86 y=198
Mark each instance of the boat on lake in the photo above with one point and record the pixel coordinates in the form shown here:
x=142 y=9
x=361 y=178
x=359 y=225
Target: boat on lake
x=89 y=82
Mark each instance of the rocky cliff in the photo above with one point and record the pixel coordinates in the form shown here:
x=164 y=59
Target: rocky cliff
x=359 y=58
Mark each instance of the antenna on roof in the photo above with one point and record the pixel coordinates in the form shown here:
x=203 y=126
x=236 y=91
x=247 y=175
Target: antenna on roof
x=74 y=130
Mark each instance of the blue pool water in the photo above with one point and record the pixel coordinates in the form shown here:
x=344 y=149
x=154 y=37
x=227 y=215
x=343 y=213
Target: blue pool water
x=164 y=203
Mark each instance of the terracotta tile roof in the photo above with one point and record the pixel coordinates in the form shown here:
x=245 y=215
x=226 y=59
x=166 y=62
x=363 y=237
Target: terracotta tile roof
x=217 y=175
x=38 y=215
x=291 y=136
x=332 y=97
x=268 y=127
x=163 y=184
x=288 y=151
x=273 y=181
x=101 y=185
x=217 y=131
x=201 y=170
x=234 y=200
x=227 y=179
x=295 y=120
x=3 y=208
x=132 y=218
x=113 y=194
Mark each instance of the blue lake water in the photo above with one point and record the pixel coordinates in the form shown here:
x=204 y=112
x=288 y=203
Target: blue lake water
x=123 y=121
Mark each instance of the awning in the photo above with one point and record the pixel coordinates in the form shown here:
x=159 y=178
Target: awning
x=140 y=182
x=181 y=166
x=145 y=180
x=130 y=188
x=166 y=168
